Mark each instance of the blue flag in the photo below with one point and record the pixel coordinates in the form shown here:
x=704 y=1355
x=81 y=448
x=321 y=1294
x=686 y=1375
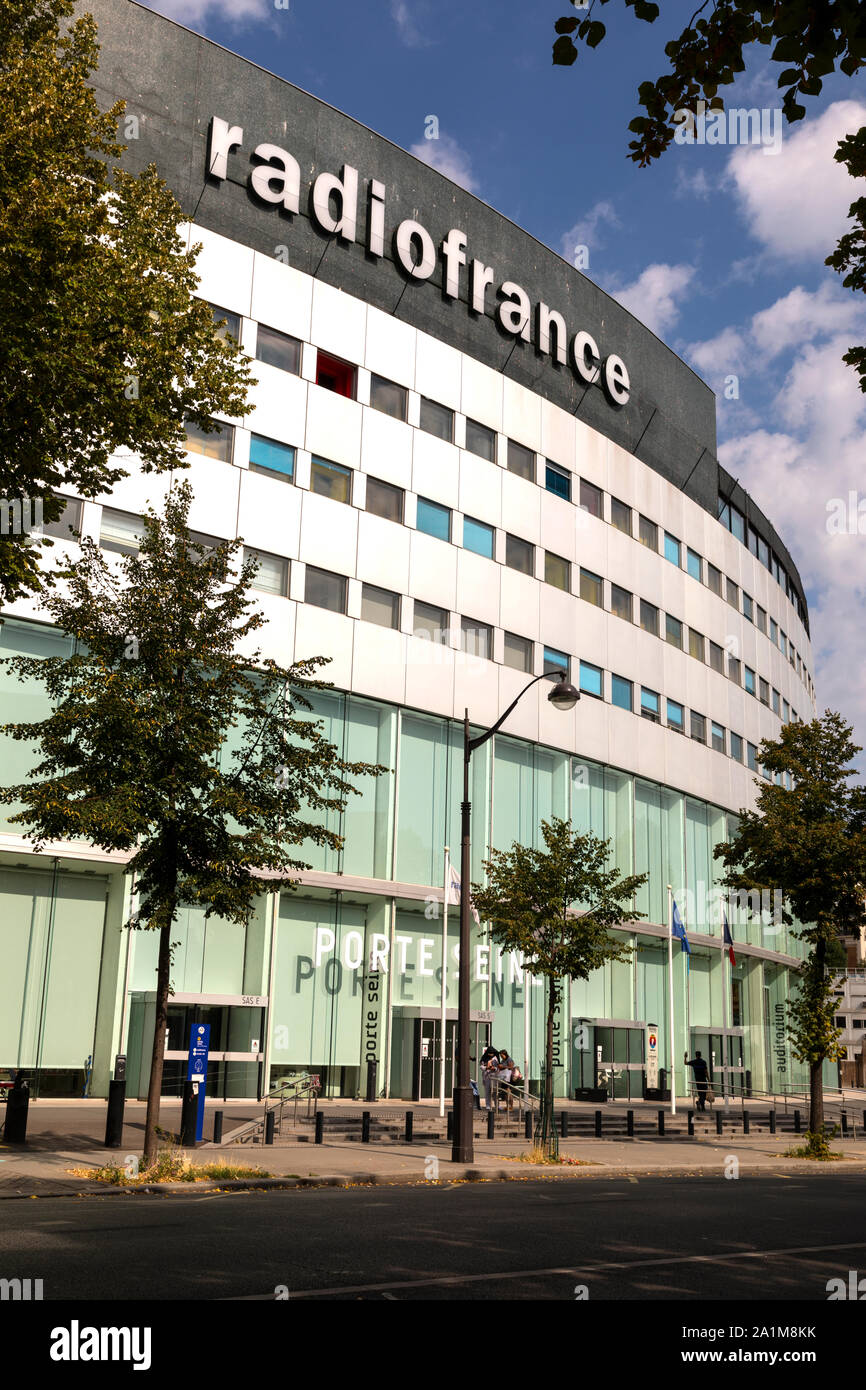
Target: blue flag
x=677 y=929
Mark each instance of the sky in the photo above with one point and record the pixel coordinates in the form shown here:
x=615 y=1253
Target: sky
x=719 y=248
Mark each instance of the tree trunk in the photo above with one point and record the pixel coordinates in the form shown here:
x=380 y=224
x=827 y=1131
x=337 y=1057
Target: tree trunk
x=548 y=1055
x=154 y=1089
x=816 y=1069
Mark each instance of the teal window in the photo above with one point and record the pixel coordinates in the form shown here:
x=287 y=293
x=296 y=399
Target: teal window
x=557 y=480
x=591 y=679
x=478 y=537
x=269 y=456
x=649 y=704
x=433 y=519
x=724 y=513
x=672 y=549
x=675 y=716
x=738 y=525
x=694 y=564
x=556 y=663
x=621 y=692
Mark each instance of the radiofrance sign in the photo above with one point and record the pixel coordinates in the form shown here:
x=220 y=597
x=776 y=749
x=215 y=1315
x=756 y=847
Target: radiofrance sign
x=335 y=204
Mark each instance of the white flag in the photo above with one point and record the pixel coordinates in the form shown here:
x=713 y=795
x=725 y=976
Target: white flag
x=454 y=895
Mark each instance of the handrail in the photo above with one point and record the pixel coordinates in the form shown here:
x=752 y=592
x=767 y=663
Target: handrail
x=294 y=1089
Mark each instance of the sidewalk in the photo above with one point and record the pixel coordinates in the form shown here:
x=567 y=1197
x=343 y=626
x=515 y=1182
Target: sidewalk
x=26 y=1173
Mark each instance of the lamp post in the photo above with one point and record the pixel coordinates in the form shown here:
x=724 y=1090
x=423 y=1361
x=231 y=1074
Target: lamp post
x=563 y=696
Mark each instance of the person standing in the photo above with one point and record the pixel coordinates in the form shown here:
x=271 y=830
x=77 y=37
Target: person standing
x=489 y=1071
x=701 y=1074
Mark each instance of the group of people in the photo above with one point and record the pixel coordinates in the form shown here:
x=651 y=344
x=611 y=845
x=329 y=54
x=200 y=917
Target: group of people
x=498 y=1066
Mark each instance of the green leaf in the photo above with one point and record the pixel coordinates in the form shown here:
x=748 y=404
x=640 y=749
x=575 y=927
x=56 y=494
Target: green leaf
x=564 y=52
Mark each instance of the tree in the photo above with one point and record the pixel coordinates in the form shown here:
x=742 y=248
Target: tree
x=812 y=37
x=529 y=901
x=133 y=756
x=102 y=345
x=809 y=841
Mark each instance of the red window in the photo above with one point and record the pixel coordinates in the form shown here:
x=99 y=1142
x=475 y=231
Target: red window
x=335 y=375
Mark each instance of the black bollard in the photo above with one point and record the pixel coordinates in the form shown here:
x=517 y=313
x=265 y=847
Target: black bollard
x=365 y=1127
x=718 y=1121
x=320 y=1127
x=189 y=1113
x=563 y=1125
x=491 y=1121
x=114 y=1115
x=796 y=1122
x=661 y=1122
x=844 y=1122
x=772 y=1122
x=410 y=1120
x=629 y=1123
x=690 y=1119
x=17 y=1105
x=372 y=1067
x=598 y=1124
x=745 y=1122
x=449 y=1125
x=527 y=1124
x=218 y=1126
x=270 y=1121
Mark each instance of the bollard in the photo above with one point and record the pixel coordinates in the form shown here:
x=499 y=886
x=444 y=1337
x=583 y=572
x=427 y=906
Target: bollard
x=796 y=1122
x=17 y=1105
x=690 y=1120
x=491 y=1121
x=661 y=1122
x=365 y=1127
x=270 y=1122
x=527 y=1124
x=410 y=1119
x=629 y=1123
x=372 y=1067
x=218 y=1126
x=844 y=1123
x=563 y=1125
x=320 y=1127
x=745 y=1122
x=772 y=1122
x=718 y=1122
x=598 y=1124
x=449 y=1125
x=114 y=1116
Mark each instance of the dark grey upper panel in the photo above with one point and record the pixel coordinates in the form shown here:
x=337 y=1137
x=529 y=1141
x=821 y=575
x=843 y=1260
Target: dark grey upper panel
x=175 y=81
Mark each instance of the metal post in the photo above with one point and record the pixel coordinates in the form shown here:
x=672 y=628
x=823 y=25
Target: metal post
x=320 y=1126
x=844 y=1123
x=796 y=1122
x=718 y=1122
x=629 y=1123
x=563 y=1124
x=17 y=1106
x=598 y=1124
x=449 y=1124
x=745 y=1120
x=772 y=1122
x=372 y=1067
x=691 y=1122
x=218 y=1126
x=410 y=1117
x=661 y=1122
x=527 y=1124
x=269 y=1126
x=365 y=1127
x=491 y=1122
x=114 y=1116
x=462 y=1150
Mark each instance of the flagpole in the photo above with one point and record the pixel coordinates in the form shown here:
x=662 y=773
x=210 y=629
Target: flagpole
x=527 y=979
x=444 y=973
x=725 y=1044
x=671 y=998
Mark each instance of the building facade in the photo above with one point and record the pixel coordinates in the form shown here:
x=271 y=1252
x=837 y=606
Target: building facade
x=466 y=465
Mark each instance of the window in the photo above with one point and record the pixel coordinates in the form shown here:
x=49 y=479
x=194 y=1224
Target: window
x=717 y=737
x=676 y=716
x=557 y=571
x=764 y=552
x=774 y=632
x=272 y=576
x=430 y=622
x=519 y=555
x=783 y=643
x=518 y=652
x=481 y=440
x=437 y=419
x=648 y=533
x=621 y=602
x=764 y=691
x=590 y=679
x=732 y=593
x=590 y=498
x=672 y=549
x=120 y=532
x=649 y=617
x=227 y=324
x=752 y=757
x=717 y=658
x=786 y=711
x=269 y=456
x=694 y=564
x=433 y=519
x=698 y=727
x=384 y=499
x=325 y=590
x=760 y=618
x=330 y=480
x=388 y=397
x=620 y=516
x=738 y=524
x=521 y=461
x=724 y=512
x=478 y=537
x=748 y=611
x=714 y=579
x=278 y=349
x=557 y=665
x=750 y=680
x=649 y=704
x=753 y=541
x=592 y=588
x=214 y=444
x=673 y=631
x=736 y=747
x=380 y=606
x=476 y=638
x=734 y=670
x=335 y=375
x=621 y=692
x=557 y=480
x=67 y=527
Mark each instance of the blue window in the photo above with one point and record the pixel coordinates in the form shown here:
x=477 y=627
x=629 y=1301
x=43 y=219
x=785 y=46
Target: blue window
x=672 y=549
x=724 y=513
x=621 y=692
x=738 y=525
x=477 y=537
x=433 y=519
x=676 y=716
x=750 y=680
x=268 y=456
x=590 y=679
x=557 y=663
x=693 y=562
x=649 y=704
x=558 y=481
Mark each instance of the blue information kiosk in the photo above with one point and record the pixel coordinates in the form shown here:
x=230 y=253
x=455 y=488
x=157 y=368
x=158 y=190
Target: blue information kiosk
x=199 y=1044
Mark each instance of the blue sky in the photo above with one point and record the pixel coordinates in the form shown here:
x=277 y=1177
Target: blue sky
x=719 y=249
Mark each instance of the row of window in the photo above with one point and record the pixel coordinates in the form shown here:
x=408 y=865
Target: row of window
x=280 y=350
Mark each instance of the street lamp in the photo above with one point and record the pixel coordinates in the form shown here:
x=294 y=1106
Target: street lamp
x=563 y=696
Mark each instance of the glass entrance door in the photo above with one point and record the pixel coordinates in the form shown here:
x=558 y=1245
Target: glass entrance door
x=428 y=1055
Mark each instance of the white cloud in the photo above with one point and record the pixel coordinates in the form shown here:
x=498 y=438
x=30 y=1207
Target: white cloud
x=198 y=11
x=796 y=201
x=718 y=356
x=407 y=26
x=691 y=182
x=446 y=155
x=803 y=315
x=654 y=296
x=585 y=231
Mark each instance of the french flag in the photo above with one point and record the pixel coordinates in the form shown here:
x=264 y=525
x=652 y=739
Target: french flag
x=728 y=940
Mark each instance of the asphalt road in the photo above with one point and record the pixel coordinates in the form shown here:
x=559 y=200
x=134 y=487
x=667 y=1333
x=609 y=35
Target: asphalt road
x=682 y=1238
